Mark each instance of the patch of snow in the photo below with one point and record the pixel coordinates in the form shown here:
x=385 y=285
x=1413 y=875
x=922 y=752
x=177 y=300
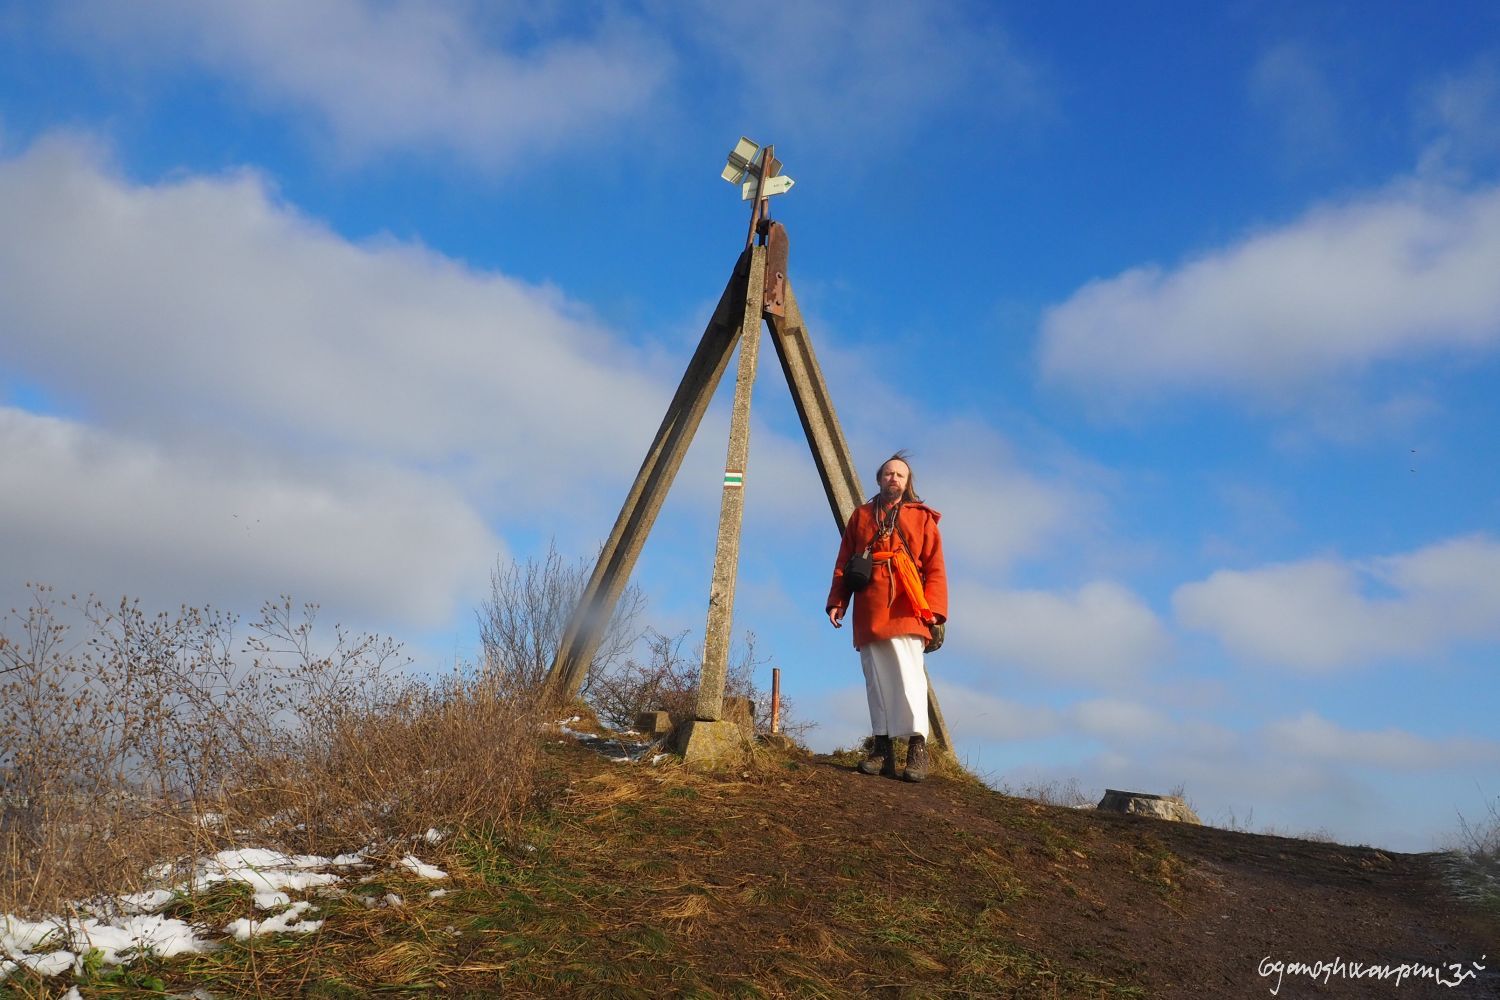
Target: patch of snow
x=412 y=864
x=149 y=901
x=288 y=922
x=49 y=963
x=17 y=935
x=123 y=940
x=393 y=899
x=437 y=894
x=272 y=900
x=433 y=836
x=130 y=926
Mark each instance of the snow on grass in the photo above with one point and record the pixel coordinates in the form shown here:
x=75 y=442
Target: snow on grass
x=287 y=922
x=412 y=864
x=128 y=927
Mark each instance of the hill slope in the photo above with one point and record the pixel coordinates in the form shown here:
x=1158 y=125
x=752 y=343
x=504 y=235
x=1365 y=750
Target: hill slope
x=800 y=877
x=804 y=877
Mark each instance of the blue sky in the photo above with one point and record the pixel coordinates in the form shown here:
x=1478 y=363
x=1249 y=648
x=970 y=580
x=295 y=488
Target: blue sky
x=1188 y=313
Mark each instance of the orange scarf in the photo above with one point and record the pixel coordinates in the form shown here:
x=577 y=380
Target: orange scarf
x=911 y=582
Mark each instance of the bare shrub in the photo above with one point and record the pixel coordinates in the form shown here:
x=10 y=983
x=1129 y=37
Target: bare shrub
x=663 y=681
x=1480 y=838
x=1474 y=859
x=666 y=680
x=1067 y=793
x=521 y=625
x=376 y=754
x=155 y=737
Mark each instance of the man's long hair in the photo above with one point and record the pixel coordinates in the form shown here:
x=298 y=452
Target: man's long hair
x=910 y=496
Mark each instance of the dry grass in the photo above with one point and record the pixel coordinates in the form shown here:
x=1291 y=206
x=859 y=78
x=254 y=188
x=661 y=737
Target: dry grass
x=128 y=739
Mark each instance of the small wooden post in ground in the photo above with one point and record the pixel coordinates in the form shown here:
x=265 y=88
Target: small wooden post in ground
x=775 y=700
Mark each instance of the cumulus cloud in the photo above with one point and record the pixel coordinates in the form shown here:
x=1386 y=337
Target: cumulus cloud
x=1001 y=510
x=183 y=324
x=1101 y=633
x=1461 y=112
x=1406 y=271
x=204 y=302
x=484 y=81
x=1311 y=736
x=848 y=67
x=1322 y=614
x=89 y=510
x=975 y=716
x=1289 y=85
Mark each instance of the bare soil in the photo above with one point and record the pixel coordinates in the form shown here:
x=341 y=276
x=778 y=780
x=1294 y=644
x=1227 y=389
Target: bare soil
x=803 y=877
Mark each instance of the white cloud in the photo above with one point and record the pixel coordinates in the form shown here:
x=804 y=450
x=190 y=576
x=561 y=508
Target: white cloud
x=484 y=81
x=1289 y=84
x=204 y=303
x=393 y=399
x=1101 y=633
x=1309 y=735
x=1322 y=614
x=88 y=510
x=976 y=716
x=1117 y=721
x=862 y=71
x=1462 y=111
x=1409 y=270
x=997 y=511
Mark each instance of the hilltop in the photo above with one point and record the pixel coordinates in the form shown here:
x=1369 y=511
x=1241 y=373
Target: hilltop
x=795 y=876
x=800 y=877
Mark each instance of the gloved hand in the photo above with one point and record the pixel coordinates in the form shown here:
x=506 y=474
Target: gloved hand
x=939 y=629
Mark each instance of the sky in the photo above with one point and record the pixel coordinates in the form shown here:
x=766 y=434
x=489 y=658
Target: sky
x=1187 y=313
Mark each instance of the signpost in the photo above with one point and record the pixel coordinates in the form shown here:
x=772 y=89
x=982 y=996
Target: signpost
x=757 y=289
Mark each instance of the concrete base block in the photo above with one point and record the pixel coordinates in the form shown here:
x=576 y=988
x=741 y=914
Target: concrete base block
x=711 y=744
x=778 y=741
x=1170 y=807
x=653 y=723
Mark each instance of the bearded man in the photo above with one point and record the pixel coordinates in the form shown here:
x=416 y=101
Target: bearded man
x=900 y=609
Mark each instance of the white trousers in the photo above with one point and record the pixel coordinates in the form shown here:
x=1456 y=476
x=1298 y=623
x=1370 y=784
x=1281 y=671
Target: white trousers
x=896 y=685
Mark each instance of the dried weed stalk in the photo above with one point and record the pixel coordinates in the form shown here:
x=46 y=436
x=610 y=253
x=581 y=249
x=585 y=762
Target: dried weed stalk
x=127 y=739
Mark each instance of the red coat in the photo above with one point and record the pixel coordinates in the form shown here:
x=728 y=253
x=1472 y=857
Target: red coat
x=882 y=610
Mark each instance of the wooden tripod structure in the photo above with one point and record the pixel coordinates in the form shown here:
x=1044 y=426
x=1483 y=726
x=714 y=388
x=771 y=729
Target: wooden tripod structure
x=757 y=288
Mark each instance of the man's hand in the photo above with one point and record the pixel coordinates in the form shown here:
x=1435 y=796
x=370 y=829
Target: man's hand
x=836 y=616
x=939 y=633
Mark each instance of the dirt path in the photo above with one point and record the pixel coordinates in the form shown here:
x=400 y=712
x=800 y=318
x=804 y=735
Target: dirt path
x=806 y=877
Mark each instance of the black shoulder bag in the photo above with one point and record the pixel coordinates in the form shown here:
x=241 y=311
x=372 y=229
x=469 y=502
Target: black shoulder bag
x=859 y=569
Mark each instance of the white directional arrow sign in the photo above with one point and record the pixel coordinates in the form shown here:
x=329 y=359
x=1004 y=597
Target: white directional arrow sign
x=780 y=184
x=745 y=154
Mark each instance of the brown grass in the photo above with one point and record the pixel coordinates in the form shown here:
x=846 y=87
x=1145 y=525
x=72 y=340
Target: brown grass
x=128 y=739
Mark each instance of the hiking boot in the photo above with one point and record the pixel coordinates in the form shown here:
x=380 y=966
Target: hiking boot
x=881 y=759
x=916 y=759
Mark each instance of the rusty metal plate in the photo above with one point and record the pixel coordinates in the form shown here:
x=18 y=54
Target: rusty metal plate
x=776 y=257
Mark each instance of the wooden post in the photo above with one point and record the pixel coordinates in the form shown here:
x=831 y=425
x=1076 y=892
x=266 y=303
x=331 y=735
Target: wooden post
x=716 y=632
x=775 y=700
x=618 y=556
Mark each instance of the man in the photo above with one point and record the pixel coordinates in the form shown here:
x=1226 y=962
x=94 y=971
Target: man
x=898 y=615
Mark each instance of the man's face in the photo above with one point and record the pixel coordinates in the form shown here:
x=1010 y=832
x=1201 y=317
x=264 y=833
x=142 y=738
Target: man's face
x=893 y=477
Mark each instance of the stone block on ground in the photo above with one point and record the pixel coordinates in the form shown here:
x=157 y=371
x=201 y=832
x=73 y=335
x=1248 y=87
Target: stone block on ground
x=653 y=723
x=1169 y=807
x=720 y=743
x=740 y=711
